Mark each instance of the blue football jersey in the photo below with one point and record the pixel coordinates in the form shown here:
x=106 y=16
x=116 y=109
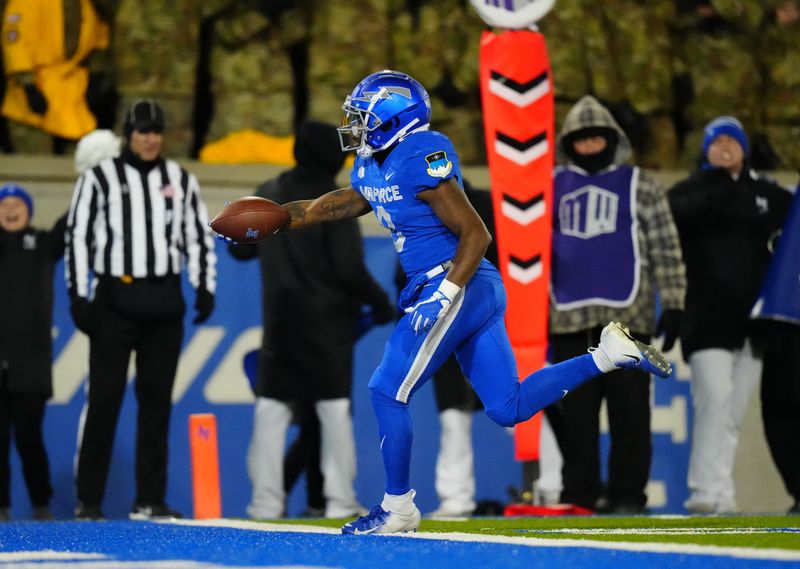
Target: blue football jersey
x=420 y=162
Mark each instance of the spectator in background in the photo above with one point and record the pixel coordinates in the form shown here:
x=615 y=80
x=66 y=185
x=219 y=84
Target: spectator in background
x=54 y=62
x=777 y=334
x=314 y=285
x=726 y=215
x=27 y=257
x=303 y=455
x=134 y=222
x=615 y=246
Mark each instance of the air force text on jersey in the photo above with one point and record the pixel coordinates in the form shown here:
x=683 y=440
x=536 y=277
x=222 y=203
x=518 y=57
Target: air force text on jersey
x=381 y=195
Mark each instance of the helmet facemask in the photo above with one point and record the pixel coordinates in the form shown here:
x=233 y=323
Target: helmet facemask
x=356 y=124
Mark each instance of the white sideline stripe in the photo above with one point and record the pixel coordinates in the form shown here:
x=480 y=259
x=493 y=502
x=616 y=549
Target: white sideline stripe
x=663 y=531
x=248 y=525
x=47 y=554
x=683 y=549
x=49 y=559
x=139 y=564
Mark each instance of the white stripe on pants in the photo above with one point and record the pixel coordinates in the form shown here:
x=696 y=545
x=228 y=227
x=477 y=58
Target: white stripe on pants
x=723 y=382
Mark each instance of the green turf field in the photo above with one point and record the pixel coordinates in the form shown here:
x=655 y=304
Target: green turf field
x=779 y=532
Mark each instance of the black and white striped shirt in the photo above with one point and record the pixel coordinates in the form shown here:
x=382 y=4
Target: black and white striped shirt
x=124 y=223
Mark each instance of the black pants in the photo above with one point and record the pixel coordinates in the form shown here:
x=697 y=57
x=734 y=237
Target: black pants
x=157 y=345
x=576 y=423
x=23 y=414
x=304 y=455
x=780 y=404
x=452 y=390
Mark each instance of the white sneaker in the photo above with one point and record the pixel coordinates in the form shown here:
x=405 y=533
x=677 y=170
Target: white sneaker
x=449 y=512
x=618 y=349
x=337 y=513
x=381 y=521
x=697 y=504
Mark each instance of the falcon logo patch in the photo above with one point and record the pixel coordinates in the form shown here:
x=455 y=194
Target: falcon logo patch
x=438 y=164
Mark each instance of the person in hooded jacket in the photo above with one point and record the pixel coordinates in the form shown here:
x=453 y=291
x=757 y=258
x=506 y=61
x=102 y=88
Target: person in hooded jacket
x=615 y=247
x=27 y=258
x=315 y=283
x=727 y=216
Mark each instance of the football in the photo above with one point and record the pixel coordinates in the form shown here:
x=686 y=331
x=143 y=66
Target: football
x=250 y=219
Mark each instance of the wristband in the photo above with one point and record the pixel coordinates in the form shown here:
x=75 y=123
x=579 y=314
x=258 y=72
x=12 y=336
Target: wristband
x=449 y=289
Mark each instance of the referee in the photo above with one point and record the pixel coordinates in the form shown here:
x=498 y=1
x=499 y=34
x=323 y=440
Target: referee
x=134 y=222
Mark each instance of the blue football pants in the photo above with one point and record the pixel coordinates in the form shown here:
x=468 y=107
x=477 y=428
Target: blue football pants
x=474 y=329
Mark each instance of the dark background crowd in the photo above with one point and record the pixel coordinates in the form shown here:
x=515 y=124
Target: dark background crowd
x=664 y=67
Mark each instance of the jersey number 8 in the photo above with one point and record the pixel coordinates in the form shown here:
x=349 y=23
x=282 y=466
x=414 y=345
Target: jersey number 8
x=386 y=220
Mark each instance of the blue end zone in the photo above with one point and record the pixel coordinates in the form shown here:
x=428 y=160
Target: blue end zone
x=141 y=544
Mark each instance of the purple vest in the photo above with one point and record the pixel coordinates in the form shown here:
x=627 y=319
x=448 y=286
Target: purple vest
x=595 y=245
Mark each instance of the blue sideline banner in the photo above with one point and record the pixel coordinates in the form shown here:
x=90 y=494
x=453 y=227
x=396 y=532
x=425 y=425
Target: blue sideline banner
x=211 y=379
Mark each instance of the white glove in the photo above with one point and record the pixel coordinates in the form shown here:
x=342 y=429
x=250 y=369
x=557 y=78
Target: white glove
x=427 y=311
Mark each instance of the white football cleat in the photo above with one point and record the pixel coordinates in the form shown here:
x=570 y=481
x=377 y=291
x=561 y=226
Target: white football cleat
x=622 y=350
x=379 y=521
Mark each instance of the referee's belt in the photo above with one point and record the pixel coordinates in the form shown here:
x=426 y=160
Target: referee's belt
x=128 y=279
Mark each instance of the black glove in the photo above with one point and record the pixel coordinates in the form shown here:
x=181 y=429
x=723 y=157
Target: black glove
x=670 y=326
x=81 y=310
x=36 y=101
x=204 y=305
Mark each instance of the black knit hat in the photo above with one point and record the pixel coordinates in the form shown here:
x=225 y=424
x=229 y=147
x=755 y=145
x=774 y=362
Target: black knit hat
x=317 y=146
x=144 y=115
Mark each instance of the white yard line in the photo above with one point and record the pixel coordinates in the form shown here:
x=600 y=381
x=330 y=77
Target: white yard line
x=47 y=559
x=46 y=555
x=687 y=549
x=660 y=531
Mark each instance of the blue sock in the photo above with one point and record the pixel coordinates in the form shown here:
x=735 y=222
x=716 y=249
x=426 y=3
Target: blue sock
x=549 y=384
x=395 y=434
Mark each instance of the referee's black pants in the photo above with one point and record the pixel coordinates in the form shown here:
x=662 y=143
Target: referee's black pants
x=576 y=424
x=157 y=345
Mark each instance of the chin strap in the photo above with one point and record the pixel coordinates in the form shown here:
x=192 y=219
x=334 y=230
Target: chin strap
x=365 y=151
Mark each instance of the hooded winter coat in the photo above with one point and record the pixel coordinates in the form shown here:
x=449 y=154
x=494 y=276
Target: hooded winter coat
x=314 y=284
x=662 y=268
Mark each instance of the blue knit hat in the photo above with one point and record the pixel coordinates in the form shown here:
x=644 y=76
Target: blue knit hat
x=725 y=125
x=14 y=190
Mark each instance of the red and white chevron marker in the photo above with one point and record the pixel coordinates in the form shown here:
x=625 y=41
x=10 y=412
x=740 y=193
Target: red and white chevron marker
x=519 y=123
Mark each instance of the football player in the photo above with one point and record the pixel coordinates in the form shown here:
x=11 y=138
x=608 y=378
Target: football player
x=410 y=177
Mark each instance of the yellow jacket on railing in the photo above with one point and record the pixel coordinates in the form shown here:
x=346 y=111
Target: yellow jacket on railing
x=33 y=50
